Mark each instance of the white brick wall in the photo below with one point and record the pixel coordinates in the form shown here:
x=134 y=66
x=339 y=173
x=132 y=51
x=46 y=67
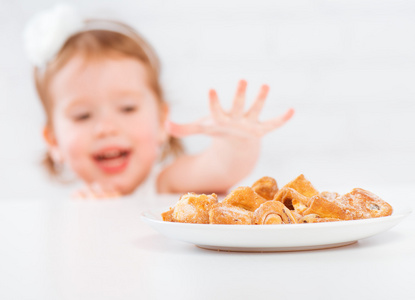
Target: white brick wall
x=347 y=67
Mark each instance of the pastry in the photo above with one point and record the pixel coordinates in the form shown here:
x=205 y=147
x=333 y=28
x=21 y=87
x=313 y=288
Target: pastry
x=303 y=186
x=263 y=203
x=244 y=197
x=329 y=209
x=266 y=187
x=222 y=213
x=296 y=215
x=313 y=218
x=273 y=212
x=366 y=204
x=193 y=208
x=331 y=196
x=292 y=199
x=168 y=215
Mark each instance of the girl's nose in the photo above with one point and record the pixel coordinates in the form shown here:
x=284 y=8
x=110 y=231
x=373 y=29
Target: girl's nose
x=106 y=126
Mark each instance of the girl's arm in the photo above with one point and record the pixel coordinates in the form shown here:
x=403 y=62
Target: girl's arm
x=236 y=140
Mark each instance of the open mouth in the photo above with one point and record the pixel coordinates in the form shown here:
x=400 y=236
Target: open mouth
x=112 y=160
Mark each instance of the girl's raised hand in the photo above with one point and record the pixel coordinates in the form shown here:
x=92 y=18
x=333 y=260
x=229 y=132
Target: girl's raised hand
x=235 y=122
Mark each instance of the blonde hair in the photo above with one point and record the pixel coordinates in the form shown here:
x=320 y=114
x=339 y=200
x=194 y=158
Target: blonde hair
x=101 y=42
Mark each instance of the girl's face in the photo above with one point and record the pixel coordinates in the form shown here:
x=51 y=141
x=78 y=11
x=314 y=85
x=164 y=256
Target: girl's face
x=107 y=122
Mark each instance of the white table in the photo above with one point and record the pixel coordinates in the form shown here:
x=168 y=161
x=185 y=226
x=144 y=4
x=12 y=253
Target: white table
x=62 y=249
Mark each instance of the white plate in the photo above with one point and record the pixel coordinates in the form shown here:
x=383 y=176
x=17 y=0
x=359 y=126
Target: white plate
x=285 y=237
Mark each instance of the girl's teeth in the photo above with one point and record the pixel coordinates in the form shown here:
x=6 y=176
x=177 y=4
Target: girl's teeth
x=112 y=154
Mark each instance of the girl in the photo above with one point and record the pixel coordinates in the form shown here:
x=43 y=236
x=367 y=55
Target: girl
x=108 y=122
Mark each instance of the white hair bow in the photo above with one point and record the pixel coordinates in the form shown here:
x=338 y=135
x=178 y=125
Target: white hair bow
x=47 y=31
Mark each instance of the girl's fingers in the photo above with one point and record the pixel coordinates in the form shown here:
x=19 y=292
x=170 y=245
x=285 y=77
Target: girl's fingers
x=256 y=108
x=275 y=123
x=96 y=191
x=202 y=125
x=239 y=100
x=101 y=191
x=112 y=193
x=79 y=195
x=215 y=108
x=182 y=130
x=84 y=194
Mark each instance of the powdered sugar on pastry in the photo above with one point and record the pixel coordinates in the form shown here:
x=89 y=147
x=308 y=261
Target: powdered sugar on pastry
x=365 y=204
x=223 y=213
x=193 y=208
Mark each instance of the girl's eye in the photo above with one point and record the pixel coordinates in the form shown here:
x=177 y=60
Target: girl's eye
x=82 y=117
x=129 y=108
